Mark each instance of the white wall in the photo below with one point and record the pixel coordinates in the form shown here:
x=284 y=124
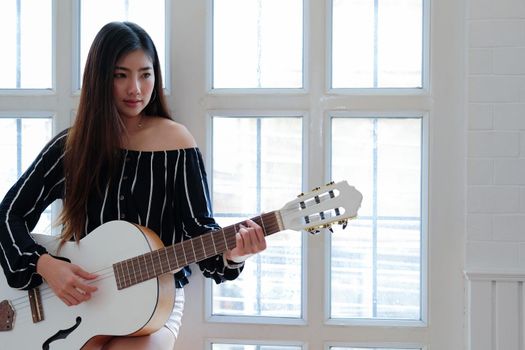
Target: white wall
x=495 y=248
x=496 y=135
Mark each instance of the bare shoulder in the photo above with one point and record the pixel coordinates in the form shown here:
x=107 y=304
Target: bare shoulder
x=171 y=135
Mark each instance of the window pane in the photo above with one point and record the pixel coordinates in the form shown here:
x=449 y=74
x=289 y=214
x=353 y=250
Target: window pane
x=257 y=44
x=21 y=140
x=26 y=27
x=376 y=270
x=149 y=14
x=354 y=348
x=377 y=44
x=257 y=167
x=253 y=347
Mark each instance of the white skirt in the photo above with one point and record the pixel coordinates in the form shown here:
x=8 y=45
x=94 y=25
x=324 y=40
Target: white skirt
x=174 y=322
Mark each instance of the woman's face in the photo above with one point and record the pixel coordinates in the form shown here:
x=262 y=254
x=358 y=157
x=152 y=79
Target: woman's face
x=133 y=83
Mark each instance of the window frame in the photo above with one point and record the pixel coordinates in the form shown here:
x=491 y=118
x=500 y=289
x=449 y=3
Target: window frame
x=210 y=90
x=209 y=343
x=424 y=115
x=54 y=209
x=208 y=289
x=425 y=64
x=16 y=92
x=377 y=345
x=76 y=80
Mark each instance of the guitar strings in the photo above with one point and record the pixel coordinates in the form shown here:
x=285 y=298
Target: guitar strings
x=47 y=292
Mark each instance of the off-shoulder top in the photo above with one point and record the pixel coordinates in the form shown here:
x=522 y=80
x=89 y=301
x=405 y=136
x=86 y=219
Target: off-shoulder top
x=166 y=191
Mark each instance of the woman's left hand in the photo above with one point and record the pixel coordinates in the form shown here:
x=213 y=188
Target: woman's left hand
x=249 y=240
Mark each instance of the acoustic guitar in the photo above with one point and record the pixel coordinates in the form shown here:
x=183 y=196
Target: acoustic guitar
x=135 y=280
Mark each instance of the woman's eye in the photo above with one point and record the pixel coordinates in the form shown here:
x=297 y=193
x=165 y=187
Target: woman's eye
x=119 y=75
x=147 y=75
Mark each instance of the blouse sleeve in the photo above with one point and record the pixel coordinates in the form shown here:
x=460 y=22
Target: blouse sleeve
x=20 y=211
x=198 y=216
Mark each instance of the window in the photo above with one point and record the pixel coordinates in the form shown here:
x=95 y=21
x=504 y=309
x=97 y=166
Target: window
x=250 y=154
x=21 y=139
x=26 y=60
x=376 y=268
x=150 y=15
x=257 y=44
x=372 y=348
x=377 y=44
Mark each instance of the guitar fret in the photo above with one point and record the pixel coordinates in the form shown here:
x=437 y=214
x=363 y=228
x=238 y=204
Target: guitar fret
x=224 y=237
x=153 y=265
x=193 y=249
x=233 y=237
x=160 y=262
x=148 y=276
x=178 y=254
x=262 y=224
x=203 y=245
x=184 y=252
x=122 y=275
x=136 y=268
x=213 y=243
x=207 y=241
x=167 y=258
x=140 y=270
x=134 y=271
x=128 y=274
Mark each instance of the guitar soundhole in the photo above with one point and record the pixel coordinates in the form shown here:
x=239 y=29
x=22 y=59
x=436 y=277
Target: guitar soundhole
x=62 y=334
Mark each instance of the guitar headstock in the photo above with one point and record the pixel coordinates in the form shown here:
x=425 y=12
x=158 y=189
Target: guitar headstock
x=320 y=208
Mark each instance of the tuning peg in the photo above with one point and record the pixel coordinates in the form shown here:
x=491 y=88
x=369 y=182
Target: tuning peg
x=316 y=189
x=343 y=222
x=300 y=195
x=313 y=231
x=330 y=183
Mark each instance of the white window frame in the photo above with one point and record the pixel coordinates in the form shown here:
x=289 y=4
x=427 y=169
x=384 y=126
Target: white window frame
x=247 y=113
x=423 y=115
x=210 y=342
x=425 y=64
x=76 y=79
x=378 y=345
x=227 y=91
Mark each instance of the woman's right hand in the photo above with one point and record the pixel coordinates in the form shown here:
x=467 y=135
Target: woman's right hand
x=68 y=281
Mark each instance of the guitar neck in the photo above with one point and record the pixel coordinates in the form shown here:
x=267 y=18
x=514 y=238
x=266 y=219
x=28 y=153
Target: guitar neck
x=153 y=264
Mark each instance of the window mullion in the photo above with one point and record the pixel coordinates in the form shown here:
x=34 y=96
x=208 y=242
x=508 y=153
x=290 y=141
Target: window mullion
x=18 y=44
x=18 y=146
x=374 y=216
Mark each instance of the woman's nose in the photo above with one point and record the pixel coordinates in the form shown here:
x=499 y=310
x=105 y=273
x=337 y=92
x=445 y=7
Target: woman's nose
x=133 y=87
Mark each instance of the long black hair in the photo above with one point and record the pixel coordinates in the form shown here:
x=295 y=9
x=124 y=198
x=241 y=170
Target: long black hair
x=94 y=140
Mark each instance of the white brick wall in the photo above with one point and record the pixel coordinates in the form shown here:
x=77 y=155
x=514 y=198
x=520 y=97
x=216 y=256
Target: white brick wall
x=496 y=134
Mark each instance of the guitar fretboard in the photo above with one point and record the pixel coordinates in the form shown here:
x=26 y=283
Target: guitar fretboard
x=153 y=264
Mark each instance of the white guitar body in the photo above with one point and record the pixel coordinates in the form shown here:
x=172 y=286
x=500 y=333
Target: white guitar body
x=137 y=310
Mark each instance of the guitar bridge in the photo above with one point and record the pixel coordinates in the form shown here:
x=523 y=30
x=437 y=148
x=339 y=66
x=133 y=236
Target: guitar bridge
x=7 y=316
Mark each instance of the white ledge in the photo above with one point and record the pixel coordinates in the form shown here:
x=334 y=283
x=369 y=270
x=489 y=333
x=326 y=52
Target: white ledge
x=509 y=275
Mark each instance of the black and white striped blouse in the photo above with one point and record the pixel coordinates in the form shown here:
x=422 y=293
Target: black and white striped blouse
x=165 y=191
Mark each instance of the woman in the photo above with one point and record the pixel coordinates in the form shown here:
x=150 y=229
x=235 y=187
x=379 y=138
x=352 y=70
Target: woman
x=123 y=158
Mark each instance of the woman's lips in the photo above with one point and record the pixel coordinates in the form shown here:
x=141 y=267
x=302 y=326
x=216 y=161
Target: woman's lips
x=132 y=103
